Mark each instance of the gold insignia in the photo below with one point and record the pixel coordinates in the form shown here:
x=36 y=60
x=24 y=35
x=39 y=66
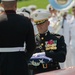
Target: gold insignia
x=40 y=21
x=45 y=66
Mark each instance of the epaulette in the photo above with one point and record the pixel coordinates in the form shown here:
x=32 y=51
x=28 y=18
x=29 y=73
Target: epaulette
x=57 y=35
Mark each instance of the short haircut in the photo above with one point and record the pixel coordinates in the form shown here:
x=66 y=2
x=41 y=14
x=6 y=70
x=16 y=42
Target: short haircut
x=8 y=4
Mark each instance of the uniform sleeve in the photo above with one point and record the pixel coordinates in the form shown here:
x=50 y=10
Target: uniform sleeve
x=30 y=41
x=60 y=54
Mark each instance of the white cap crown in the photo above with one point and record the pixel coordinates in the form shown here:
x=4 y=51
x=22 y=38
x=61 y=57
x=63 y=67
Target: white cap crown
x=40 y=14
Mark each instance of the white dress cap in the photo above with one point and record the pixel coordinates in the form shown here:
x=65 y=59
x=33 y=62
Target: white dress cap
x=32 y=6
x=24 y=14
x=25 y=9
x=40 y=14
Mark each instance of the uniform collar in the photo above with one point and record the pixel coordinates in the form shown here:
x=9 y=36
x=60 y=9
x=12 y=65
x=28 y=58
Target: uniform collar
x=10 y=11
x=45 y=34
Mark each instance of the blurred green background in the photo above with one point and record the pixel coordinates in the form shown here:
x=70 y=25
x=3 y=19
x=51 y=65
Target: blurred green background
x=38 y=3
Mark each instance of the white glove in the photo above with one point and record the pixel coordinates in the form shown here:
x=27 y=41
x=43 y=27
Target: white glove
x=38 y=54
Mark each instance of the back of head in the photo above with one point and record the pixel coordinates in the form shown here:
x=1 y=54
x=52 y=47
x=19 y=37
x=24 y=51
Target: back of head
x=9 y=4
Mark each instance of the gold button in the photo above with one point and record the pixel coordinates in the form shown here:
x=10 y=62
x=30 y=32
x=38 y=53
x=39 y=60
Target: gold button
x=42 y=38
x=42 y=44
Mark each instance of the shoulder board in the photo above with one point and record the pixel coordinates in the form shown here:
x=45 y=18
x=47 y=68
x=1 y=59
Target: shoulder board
x=56 y=35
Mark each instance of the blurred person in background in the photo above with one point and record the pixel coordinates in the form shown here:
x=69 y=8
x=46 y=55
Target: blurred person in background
x=55 y=19
x=71 y=54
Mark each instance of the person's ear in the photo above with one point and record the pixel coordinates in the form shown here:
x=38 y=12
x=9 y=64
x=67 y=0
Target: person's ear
x=15 y=6
x=1 y=5
x=48 y=22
